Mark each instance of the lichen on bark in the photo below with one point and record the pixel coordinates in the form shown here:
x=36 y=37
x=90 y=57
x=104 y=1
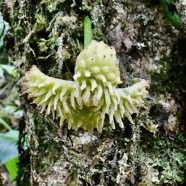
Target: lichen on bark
x=149 y=152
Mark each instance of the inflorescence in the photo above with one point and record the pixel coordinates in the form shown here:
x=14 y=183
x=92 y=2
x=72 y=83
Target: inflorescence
x=85 y=101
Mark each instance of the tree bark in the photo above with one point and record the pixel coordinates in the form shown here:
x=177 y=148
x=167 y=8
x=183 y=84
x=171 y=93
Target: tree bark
x=49 y=34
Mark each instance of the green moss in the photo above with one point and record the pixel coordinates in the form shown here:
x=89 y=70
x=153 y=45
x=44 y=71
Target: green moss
x=47 y=142
x=171 y=77
x=166 y=157
x=72 y=178
x=52 y=5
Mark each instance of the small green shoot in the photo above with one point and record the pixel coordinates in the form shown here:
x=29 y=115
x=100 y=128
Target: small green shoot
x=87 y=31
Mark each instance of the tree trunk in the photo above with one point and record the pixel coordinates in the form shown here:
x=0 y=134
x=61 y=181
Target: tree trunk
x=49 y=34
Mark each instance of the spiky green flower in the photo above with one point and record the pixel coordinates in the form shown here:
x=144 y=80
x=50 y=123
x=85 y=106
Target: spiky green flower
x=85 y=101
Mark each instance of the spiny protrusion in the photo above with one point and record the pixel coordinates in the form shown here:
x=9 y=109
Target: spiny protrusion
x=84 y=102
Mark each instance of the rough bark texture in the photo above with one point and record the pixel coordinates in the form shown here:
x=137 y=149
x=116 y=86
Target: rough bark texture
x=49 y=34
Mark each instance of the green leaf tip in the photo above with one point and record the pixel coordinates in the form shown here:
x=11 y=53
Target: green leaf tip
x=87 y=31
x=12 y=167
x=84 y=102
x=172 y=13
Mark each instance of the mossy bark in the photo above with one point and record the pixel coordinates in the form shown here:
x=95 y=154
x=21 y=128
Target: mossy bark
x=49 y=34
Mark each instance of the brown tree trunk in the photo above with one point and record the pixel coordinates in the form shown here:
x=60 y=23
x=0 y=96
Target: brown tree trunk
x=49 y=34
